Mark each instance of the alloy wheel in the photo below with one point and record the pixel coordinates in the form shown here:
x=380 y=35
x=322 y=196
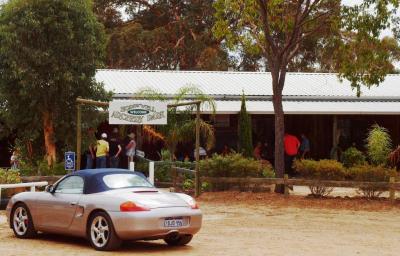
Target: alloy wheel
x=99 y=231
x=20 y=221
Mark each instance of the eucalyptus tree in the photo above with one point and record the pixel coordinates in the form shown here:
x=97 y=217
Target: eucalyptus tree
x=161 y=34
x=278 y=29
x=49 y=52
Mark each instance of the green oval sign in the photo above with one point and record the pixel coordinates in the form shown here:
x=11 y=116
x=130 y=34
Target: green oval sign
x=138 y=112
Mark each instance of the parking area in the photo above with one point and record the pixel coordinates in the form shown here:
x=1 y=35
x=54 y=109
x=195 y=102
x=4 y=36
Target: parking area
x=255 y=224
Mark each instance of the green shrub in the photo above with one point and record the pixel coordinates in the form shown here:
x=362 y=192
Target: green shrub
x=235 y=165
x=188 y=184
x=305 y=167
x=142 y=166
x=320 y=170
x=45 y=170
x=378 y=145
x=352 y=156
x=268 y=171
x=9 y=176
x=325 y=169
x=163 y=170
x=205 y=186
x=370 y=173
x=41 y=168
x=330 y=170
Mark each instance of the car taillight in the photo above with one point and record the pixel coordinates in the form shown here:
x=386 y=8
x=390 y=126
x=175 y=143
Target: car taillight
x=132 y=207
x=195 y=206
x=192 y=203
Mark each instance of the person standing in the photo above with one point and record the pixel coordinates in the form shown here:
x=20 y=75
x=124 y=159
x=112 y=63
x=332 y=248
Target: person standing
x=115 y=149
x=304 y=146
x=14 y=160
x=291 y=144
x=264 y=151
x=102 y=149
x=257 y=151
x=89 y=144
x=202 y=153
x=226 y=151
x=131 y=148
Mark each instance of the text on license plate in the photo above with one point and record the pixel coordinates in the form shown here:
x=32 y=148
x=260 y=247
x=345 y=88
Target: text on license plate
x=174 y=222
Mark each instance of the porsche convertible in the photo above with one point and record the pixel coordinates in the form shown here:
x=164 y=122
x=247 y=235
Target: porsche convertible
x=106 y=206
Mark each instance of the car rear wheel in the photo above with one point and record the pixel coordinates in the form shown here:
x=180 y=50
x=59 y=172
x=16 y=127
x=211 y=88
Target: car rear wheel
x=179 y=240
x=101 y=233
x=22 y=223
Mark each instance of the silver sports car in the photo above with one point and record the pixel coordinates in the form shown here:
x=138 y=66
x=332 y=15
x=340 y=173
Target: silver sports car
x=106 y=206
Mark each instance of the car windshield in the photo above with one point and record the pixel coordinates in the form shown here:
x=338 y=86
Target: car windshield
x=125 y=180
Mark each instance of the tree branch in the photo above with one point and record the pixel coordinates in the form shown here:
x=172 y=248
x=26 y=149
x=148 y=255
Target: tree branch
x=263 y=4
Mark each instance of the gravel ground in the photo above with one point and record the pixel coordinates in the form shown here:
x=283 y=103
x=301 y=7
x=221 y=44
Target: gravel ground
x=255 y=224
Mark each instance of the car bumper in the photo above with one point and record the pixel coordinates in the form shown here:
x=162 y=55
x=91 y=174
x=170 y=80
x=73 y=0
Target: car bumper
x=150 y=224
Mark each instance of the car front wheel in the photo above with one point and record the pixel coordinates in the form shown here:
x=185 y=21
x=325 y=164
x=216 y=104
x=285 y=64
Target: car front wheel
x=101 y=233
x=22 y=223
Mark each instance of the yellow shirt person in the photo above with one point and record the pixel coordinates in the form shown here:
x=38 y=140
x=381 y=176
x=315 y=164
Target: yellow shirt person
x=102 y=149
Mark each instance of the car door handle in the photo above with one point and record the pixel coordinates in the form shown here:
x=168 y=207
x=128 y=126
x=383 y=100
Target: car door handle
x=73 y=203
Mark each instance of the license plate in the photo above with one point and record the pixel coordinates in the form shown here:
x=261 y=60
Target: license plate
x=174 y=222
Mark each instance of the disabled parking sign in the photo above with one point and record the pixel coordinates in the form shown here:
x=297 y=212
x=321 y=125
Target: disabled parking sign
x=69 y=160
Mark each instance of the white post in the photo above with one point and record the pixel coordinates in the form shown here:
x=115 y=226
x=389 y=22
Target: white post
x=132 y=166
x=33 y=188
x=151 y=172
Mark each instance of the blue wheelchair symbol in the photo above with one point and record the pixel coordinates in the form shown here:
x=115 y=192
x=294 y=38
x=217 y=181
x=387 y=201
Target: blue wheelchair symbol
x=69 y=161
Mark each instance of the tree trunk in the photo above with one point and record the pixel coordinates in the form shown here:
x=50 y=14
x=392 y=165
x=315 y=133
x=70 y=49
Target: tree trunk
x=49 y=138
x=279 y=128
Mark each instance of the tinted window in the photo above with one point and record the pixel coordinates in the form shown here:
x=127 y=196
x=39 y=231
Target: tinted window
x=122 y=180
x=70 y=185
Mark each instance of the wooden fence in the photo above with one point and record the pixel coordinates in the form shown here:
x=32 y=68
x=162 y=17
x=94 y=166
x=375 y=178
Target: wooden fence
x=392 y=186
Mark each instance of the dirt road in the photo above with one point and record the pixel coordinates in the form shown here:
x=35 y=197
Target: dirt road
x=251 y=224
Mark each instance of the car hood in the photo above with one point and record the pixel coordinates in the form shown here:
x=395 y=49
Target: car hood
x=150 y=197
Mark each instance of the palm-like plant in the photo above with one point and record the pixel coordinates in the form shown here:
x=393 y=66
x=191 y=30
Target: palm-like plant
x=181 y=124
x=379 y=145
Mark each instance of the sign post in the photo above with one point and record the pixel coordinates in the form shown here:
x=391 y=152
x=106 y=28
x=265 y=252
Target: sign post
x=69 y=159
x=134 y=112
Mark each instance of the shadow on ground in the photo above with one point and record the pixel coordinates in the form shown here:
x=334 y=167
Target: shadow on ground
x=127 y=246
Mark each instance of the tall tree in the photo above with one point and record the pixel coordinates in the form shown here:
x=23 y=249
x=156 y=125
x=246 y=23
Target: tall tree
x=162 y=34
x=49 y=51
x=280 y=28
x=245 y=130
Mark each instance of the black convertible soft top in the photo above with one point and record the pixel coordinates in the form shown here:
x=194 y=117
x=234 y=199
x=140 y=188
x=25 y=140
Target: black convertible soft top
x=93 y=178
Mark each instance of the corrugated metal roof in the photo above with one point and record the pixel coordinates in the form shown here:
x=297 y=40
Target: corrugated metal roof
x=233 y=83
x=311 y=107
x=304 y=93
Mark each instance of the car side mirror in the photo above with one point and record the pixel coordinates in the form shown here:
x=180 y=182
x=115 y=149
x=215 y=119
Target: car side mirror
x=49 y=189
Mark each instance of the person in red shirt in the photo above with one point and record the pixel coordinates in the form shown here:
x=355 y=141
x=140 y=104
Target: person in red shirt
x=292 y=145
x=257 y=151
